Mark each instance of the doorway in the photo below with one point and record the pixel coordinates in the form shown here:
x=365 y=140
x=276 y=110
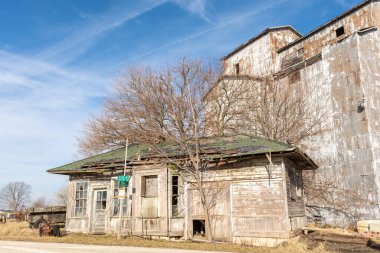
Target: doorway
x=100 y=211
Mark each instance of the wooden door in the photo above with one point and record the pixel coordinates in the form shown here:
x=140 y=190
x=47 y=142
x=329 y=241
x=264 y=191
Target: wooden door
x=100 y=211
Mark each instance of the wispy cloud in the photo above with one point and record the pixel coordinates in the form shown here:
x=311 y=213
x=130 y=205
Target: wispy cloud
x=197 y=7
x=221 y=25
x=44 y=100
x=35 y=79
x=42 y=110
x=98 y=25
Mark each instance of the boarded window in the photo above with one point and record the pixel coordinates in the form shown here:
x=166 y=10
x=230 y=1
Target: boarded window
x=149 y=186
x=116 y=201
x=295 y=178
x=292 y=59
x=80 y=199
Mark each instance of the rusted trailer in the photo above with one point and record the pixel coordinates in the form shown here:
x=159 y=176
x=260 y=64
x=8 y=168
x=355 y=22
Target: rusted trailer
x=53 y=215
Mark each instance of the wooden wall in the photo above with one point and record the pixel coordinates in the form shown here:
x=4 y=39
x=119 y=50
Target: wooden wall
x=247 y=199
x=295 y=195
x=253 y=204
x=146 y=215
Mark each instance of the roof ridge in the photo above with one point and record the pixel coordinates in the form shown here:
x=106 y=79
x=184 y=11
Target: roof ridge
x=261 y=34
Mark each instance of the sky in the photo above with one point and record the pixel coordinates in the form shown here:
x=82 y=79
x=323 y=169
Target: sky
x=59 y=60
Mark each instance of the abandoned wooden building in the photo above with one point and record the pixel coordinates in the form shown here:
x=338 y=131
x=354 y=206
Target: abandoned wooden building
x=256 y=185
x=340 y=62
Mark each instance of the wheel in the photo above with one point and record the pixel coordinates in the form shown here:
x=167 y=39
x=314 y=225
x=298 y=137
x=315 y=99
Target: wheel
x=3 y=219
x=38 y=223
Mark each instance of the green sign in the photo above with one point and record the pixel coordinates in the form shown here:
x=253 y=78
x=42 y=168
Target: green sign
x=123 y=181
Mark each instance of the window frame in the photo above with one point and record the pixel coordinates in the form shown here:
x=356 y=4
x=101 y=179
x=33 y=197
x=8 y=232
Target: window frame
x=143 y=186
x=80 y=200
x=101 y=203
x=116 y=201
x=175 y=196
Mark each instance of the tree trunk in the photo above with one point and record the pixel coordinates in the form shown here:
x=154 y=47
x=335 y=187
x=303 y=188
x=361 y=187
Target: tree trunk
x=206 y=209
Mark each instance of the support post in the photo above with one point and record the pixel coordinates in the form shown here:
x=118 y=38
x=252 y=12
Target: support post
x=122 y=196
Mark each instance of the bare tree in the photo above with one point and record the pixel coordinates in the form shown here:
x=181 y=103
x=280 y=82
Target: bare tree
x=40 y=202
x=266 y=106
x=227 y=109
x=328 y=194
x=61 y=196
x=16 y=195
x=184 y=103
x=155 y=107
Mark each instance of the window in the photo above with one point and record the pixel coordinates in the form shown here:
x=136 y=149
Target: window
x=300 y=52
x=80 y=199
x=237 y=69
x=295 y=177
x=299 y=183
x=175 y=195
x=149 y=186
x=339 y=31
x=101 y=200
x=116 y=201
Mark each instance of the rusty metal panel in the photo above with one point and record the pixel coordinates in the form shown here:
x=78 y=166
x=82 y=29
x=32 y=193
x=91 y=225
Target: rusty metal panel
x=313 y=45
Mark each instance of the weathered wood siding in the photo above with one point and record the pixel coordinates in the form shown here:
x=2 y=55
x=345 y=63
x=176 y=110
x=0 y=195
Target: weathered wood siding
x=150 y=213
x=247 y=200
x=83 y=223
x=146 y=215
x=295 y=195
x=253 y=201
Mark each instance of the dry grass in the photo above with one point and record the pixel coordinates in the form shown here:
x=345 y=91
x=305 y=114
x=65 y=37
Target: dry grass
x=19 y=231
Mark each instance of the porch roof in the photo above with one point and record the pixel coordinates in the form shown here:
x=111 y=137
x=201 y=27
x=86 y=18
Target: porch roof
x=215 y=148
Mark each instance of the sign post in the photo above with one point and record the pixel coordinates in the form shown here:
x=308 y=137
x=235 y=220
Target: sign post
x=123 y=183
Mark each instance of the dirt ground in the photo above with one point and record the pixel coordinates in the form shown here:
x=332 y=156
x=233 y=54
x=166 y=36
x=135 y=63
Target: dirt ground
x=313 y=243
x=342 y=243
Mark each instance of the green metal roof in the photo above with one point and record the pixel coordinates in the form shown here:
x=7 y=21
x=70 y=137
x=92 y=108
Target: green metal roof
x=215 y=147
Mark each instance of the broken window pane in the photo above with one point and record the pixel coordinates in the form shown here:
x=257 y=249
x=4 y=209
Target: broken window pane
x=116 y=201
x=175 y=195
x=80 y=199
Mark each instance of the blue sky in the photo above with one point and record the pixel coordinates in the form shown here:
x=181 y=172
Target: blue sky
x=58 y=60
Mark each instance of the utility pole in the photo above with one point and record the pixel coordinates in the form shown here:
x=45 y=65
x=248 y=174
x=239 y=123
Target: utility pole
x=122 y=191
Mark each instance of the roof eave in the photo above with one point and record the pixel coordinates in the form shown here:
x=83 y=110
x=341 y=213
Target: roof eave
x=310 y=164
x=336 y=19
x=92 y=170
